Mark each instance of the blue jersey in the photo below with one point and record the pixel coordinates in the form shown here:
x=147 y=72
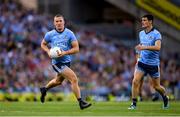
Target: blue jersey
x=62 y=40
x=149 y=57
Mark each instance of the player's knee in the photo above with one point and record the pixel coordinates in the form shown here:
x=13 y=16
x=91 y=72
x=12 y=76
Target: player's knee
x=58 y=82
x=74 y=81
x=135 y=82
x=156 y=87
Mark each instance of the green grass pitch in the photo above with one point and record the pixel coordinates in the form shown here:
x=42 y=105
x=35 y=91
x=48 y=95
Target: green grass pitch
x=97 y=109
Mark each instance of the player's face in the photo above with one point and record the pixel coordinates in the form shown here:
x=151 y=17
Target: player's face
x=145 y=22
x=59 y=23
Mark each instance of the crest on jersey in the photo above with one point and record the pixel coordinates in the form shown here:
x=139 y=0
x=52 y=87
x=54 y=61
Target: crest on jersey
x=151 y=37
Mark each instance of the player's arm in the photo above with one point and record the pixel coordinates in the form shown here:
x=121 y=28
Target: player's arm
x=157 y=46
x=44 y=46
x=73 y=50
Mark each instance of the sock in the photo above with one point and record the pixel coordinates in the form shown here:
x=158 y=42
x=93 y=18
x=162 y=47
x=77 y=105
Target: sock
x=47 y=89
x=134 y=101
x=164 y=97
x=79 y=99
x=140 y=94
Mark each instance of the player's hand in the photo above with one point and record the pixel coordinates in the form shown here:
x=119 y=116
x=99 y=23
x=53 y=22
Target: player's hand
x=62 y=53
x=139 y=47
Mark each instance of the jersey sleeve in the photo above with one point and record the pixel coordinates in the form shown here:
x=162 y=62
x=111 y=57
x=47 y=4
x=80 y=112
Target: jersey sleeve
x=72 y=37
x=139 y=41
x=47 y=37
x=158 y=36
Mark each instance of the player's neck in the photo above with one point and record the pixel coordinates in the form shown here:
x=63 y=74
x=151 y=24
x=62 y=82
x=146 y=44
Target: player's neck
x=60 y=30
x=148 y=29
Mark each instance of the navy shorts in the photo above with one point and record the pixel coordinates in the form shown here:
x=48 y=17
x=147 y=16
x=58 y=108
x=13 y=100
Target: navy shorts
x=59 y=67
x=152 y=70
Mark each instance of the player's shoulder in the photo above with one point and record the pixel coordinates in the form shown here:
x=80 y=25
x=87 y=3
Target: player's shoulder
x=50 y=32
x=68 y=30
x=141 y=32
x=156 y=31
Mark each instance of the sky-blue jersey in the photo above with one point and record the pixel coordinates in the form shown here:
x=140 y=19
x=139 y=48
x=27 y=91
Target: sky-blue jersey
x=62 y=40
x=149 y=57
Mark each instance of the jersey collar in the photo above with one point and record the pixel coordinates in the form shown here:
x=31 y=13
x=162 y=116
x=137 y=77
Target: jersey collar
x=149 y=31
x=59 y=31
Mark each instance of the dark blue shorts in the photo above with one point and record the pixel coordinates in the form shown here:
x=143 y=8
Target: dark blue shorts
x=59 y=67
x=152 y=70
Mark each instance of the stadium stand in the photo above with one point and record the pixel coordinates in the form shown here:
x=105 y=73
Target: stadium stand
x=165 y=10
x=175 y=2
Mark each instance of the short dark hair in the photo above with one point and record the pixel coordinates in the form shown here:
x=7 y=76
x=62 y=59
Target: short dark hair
x=59 y=15
x=149 y=17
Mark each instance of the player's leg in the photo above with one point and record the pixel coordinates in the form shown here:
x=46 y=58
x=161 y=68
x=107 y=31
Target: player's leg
x=155 y=75
x=154 y=93
x=71 y=76
x=140 y=89
x=53 y=83
x=161 y=90
x=138 y=74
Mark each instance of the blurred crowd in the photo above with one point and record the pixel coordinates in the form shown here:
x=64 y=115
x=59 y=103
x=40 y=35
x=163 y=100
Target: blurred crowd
x=103 y=67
